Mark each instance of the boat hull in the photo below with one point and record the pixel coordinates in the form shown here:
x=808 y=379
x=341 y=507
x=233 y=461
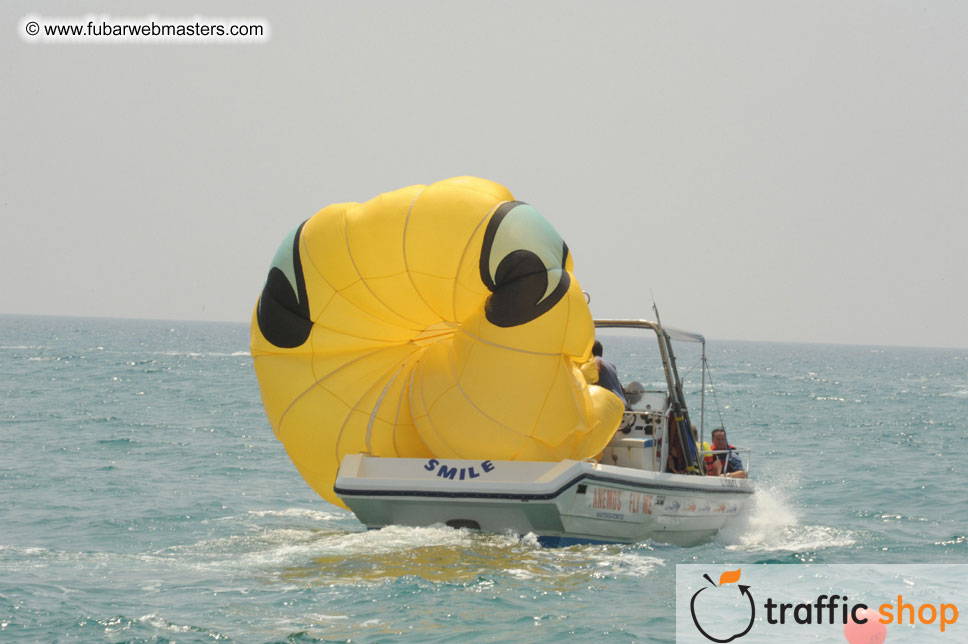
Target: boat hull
x=561 y=503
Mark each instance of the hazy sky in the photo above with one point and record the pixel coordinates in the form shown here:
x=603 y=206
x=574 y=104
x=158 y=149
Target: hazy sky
x=792 y=171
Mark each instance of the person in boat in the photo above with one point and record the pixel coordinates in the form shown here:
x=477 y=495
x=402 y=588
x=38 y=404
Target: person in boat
x=677 y=462
x=726 y=464
x=705 y=451
x=607 y=374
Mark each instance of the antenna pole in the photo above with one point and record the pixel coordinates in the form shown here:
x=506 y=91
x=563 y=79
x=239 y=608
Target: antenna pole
x=679 y=410
x=702 y=403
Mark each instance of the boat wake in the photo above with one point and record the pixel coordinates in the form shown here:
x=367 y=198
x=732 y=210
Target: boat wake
x=311 y=547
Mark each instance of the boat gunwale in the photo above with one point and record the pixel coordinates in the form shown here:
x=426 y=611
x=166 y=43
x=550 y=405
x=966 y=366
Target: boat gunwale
x=546 y=496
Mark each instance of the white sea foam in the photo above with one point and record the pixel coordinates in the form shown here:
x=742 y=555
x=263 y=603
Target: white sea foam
x=160 y=623
x=316 y=617
x=195 y=354
x=519 y=573
x=624 y=563
x=575 y=562
x=394 y=539
x=22 y=558
x=298 y=513
x=242 y=544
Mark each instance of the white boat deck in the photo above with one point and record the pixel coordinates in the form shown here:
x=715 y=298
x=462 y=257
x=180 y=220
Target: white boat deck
x=566 y=502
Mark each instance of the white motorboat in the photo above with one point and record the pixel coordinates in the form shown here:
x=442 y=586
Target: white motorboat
x=634 y=491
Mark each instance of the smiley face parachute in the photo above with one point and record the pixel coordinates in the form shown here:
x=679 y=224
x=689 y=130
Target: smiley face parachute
x=439 y=320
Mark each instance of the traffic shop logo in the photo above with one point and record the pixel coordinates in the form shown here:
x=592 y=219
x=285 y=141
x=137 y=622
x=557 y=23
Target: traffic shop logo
x=707 y=596
x=726 y=611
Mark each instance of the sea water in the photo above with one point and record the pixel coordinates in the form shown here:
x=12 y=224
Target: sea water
x=143 y=498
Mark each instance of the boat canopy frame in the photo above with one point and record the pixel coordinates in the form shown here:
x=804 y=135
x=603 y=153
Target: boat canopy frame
x=665 y=336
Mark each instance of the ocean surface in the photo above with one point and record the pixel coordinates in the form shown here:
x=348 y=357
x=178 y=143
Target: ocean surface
x=144 y=498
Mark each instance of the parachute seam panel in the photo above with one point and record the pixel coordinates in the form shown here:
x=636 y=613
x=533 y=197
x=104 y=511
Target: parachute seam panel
x=442 y=277
x=318 y=381
x=534 y=425
x=336 y=291
x=561 y=347
x=305 y=251
x=349 y=252
x=322 y=312
x=426 y=409
x=453 y=373
x=501 y=346
x=564 y=336
x=356 y=405
x=463 y=254
x=406 y=264
x=380 y=277
x=323 y=325
x=544 y=403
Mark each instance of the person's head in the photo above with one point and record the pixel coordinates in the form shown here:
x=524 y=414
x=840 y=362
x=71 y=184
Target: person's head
x=719 y=438
x=597 y=349
x=695 y=433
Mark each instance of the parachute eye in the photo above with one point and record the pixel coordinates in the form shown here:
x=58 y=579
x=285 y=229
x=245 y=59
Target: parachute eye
x=522 y=264
x=283 y=309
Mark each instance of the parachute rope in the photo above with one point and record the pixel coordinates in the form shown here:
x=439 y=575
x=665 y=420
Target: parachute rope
x=379 y=403
x=396 y=416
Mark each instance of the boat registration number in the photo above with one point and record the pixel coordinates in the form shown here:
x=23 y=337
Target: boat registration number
x=625 y=501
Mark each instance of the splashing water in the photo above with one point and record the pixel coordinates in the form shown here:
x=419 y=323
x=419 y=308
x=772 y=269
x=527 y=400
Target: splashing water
x=773 y=523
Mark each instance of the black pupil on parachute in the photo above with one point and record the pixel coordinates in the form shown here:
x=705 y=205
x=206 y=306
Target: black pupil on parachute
x=283 y=310
x=519 y=287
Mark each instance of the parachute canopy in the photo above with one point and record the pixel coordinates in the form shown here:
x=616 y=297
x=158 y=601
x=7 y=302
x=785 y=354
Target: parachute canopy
x=431 y=321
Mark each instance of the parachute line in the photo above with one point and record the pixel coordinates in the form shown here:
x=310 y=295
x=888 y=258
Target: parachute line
x=400 y=398
x=379 y=402
x=426 y=410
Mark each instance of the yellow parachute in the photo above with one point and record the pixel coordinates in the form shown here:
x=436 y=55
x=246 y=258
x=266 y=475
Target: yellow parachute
x=439 y=320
